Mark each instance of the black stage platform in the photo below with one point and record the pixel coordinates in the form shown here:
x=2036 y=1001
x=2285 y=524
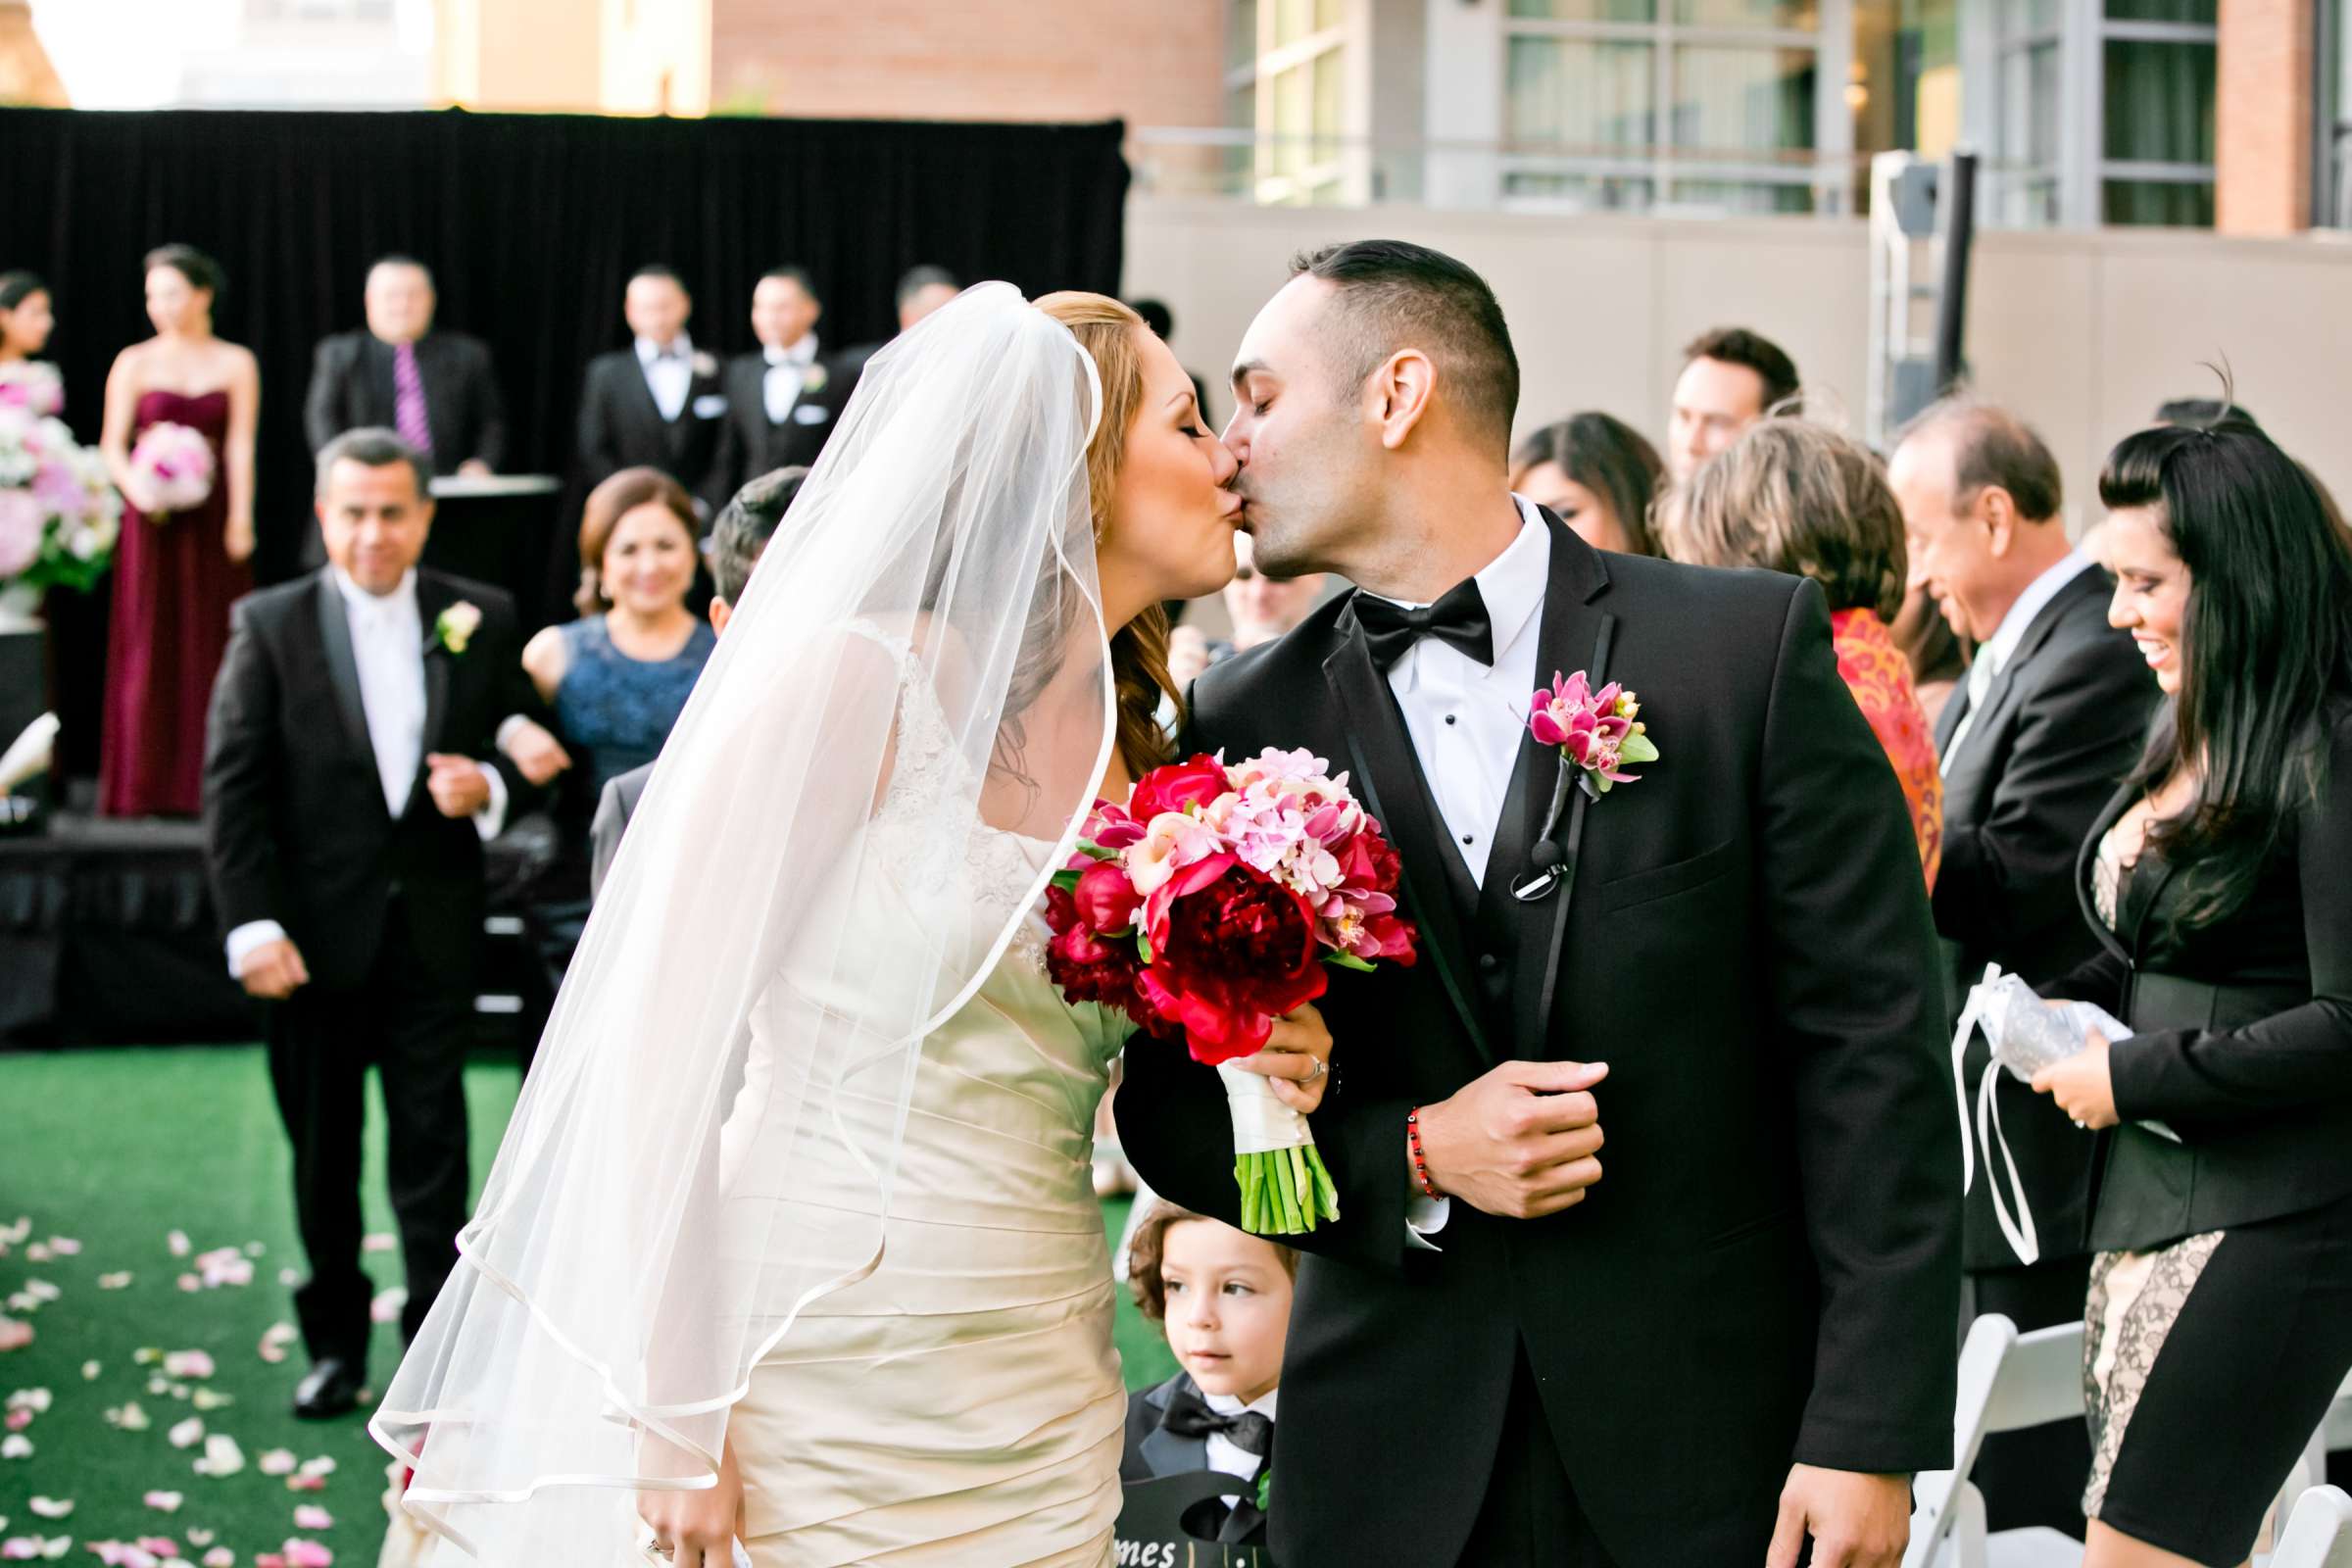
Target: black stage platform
x=107 y=936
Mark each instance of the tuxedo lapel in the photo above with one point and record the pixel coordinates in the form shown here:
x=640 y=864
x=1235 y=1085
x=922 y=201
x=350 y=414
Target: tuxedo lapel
x=432 y=598
x=342 y=665
x=1576 y=635
x=1389 y=776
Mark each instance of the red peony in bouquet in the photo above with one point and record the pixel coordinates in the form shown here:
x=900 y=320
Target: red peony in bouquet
x=1209 y=907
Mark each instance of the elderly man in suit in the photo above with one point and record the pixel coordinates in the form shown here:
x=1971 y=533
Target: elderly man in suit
x=658 y=403
x=438 y=389
x=2051 y=718
x=785 y=397
x=351 y=780
x=737 y=540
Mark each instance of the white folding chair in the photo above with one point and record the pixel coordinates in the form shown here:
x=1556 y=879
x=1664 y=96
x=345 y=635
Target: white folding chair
x=2318 y=1533
x=2008 y=1381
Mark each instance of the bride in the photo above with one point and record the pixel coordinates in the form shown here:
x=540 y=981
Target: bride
x=792 y=1239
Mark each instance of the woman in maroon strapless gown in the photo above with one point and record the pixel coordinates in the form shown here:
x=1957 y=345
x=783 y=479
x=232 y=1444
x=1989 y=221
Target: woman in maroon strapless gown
x=177 y=574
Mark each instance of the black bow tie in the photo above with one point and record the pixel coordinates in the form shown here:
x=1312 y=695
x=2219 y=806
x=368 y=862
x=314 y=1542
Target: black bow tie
x=1190 y=1416
x=1459 y=618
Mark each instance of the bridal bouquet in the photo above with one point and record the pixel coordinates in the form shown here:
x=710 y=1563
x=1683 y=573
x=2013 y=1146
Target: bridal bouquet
x=32 y=386
x=1209 y=907
x=175 y=466
x=58 y=513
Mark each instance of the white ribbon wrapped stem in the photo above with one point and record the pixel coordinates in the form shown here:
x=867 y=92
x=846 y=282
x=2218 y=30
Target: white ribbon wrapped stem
x=1261 y=1122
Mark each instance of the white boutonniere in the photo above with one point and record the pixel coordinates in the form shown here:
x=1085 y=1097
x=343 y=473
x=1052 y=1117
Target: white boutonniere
x=813 y=378
x=455 y=626
x=704 y=364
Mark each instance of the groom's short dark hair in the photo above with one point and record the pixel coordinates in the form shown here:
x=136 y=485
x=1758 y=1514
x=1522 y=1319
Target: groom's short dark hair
x=1396 y=295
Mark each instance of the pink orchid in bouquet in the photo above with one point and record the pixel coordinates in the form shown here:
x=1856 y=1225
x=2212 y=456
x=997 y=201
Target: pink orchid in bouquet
x=1209 y=907
x=1600 y=732
x=175 y=466
x=59 y=516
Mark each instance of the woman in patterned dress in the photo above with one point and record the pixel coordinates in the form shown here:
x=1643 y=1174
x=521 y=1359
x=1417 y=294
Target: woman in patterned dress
x=2219 y=1320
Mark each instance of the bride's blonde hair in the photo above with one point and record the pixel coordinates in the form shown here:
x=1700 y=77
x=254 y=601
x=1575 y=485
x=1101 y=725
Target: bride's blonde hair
x=1139 y=651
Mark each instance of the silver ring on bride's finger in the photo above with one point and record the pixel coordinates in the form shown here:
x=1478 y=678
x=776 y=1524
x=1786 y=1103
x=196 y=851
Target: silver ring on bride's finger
x=1321 y=1067
x=660 y=1550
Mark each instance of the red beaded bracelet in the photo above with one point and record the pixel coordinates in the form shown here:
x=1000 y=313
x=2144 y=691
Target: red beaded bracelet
x=1412 y=1138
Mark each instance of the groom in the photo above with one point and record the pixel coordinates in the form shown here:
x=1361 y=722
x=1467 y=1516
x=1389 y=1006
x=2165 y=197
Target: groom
x=1742 y=1336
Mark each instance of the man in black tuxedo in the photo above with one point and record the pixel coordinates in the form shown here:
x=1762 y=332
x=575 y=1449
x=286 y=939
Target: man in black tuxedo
x=1742 y=1335
x=436 y=389
x=658 y=403
x=784 y=398
x=345 y=813
x=2052 y=717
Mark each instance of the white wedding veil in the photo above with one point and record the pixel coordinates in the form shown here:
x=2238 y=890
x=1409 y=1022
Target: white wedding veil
x=708 y=1141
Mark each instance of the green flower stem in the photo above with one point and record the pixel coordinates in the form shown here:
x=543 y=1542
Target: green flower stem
x=1286 y=1192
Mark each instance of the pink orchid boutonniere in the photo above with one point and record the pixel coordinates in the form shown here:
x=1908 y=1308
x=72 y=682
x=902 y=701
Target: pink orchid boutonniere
x=1600 y=732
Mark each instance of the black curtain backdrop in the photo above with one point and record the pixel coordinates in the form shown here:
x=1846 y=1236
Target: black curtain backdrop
x=531 y=224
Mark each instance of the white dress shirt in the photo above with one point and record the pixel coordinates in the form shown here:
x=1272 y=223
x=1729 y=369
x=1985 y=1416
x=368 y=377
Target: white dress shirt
x=786 y=373
x=1224 y=1455
x=669 y=374
x=1994 y=655
x=1467 y=721
x=387 y=644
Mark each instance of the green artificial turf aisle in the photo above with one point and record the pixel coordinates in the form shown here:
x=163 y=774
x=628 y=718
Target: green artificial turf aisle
x=120 y=1153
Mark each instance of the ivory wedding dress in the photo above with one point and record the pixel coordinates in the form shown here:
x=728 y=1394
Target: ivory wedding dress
x=962 y=1404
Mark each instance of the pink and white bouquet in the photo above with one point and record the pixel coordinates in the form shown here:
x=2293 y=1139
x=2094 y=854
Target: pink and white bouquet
x=1211 y=904
x=32 y=386
x=175 y=469
x=59 y=517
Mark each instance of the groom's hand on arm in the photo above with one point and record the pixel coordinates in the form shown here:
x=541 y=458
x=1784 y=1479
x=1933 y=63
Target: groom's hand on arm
x=1855 y=1520
x=1521 y=1141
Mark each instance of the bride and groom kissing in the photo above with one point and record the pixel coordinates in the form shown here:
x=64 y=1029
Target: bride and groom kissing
x=792 y=1242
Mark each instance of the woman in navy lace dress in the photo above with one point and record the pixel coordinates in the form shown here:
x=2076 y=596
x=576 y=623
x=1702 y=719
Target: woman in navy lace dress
x=618 y=677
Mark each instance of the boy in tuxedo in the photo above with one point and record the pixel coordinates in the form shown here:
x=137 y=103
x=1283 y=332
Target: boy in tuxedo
x=1223 y=1298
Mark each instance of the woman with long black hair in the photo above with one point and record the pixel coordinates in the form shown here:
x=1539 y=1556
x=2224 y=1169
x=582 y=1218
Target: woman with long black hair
x=2220 y=1319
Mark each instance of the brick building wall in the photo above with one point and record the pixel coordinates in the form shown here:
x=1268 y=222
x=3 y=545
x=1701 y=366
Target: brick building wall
x=1147 y=62
x=2263 y=124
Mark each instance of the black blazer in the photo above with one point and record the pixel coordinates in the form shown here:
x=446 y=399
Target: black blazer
x=1151 y=1449
x=2060 y=728
x=294 y=823
x=750 y=444
x=350 y=386
x=1770 y=1271
x=2242 y=1031
x=621 y=425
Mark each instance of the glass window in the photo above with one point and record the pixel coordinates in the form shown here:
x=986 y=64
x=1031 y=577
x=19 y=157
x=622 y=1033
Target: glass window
x=1572 y=93
x=1743 y=100
x=2204 y=12
x=1796 y=13
x=2019 y=18
x=2159 y=102
x=2029 y=106
x=1241 y=34
x=1582 y=192
x=1586 y=9
x=1733 y=196
x=2154 y=202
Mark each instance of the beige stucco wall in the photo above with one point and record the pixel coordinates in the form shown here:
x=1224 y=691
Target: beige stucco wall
x=2084 y=333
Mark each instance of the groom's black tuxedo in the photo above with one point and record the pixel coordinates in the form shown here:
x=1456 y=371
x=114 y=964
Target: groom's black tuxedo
x=1769 y=1270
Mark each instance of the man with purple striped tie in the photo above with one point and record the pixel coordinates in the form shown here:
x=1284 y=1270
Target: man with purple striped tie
x=437 y=388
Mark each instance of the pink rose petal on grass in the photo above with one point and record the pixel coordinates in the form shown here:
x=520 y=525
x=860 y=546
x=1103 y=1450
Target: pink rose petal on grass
x=302 y=1553
x=220 y=1557
x=187 y=1433
x=303 y=1483
x=164 y=1501
x=379 y=1241
x=51 y=1507
x=19 y=1420
x=196 y=1366
x=177 y=1241
x=310 y=1516
x=14 y=1334
x=278 y=1463
x=386 y=1308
